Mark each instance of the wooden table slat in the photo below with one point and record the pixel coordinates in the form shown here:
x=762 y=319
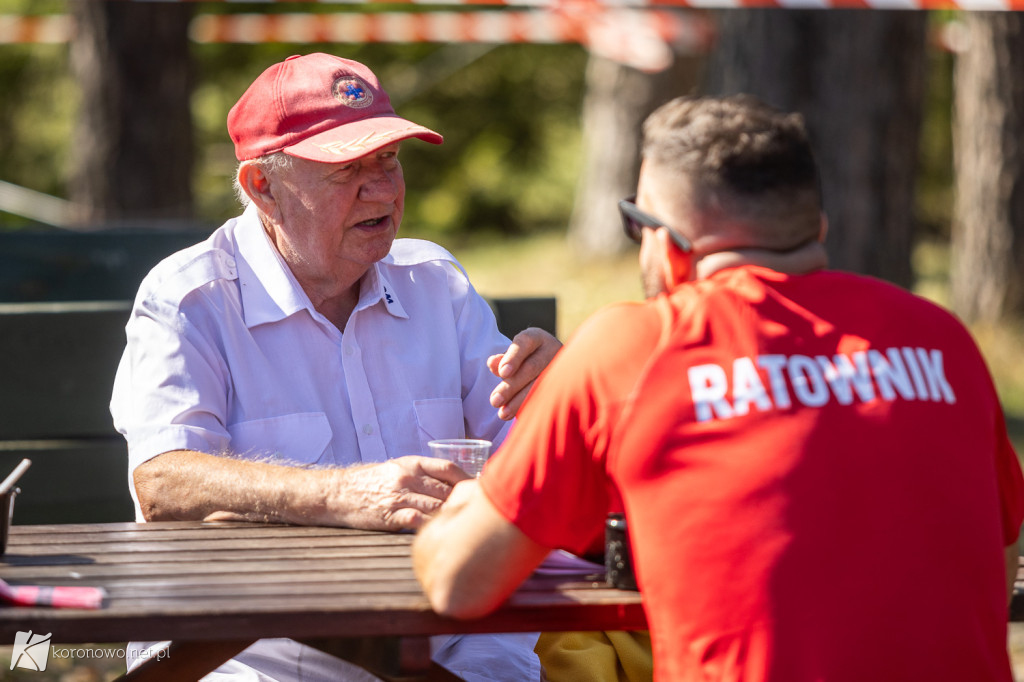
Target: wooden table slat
x=172 y=557
x=142 y=541
x=199 y=569
x=184 y=527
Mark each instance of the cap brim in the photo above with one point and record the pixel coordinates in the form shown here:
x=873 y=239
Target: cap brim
x=350 y=141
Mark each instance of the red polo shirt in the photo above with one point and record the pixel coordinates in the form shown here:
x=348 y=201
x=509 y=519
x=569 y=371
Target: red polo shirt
x=815 y=469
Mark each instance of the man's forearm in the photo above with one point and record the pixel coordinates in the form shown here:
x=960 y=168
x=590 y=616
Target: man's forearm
x=470 y=558
x=189 y=485
x=398 y=494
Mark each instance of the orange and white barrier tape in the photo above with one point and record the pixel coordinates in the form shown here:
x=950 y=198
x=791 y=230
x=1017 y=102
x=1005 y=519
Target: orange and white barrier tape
x=644 y=39
x=972 y=5
x=638 y=38
x=49 y=28
x=447 y=26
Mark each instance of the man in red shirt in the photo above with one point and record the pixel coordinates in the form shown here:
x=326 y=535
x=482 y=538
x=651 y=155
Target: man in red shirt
x=814 y=465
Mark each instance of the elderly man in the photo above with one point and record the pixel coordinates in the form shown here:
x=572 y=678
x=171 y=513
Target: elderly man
x=815 y=467
x=293 y=367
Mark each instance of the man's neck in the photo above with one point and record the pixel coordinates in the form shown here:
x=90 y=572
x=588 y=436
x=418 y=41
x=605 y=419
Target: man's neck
x=799 y=261
x=334 y=295
x=337 y=308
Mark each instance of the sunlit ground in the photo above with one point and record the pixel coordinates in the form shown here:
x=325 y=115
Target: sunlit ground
x=546 y=266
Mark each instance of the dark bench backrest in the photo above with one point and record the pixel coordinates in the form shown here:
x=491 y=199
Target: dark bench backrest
x=58 y=364
x=57 y=361
x=84 y=266
x=515 y=314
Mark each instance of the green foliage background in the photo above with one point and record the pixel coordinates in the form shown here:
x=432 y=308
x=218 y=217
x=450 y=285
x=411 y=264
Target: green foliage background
x=38 y=102
x=509 y=115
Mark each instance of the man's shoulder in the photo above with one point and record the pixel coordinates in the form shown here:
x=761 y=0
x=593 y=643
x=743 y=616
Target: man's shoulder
x=606 y=355
x=423 y=263
x=882 y=297
x=825 y=284
x=602 y=334
x=413 y=252
x=184 y=271
x=852 y=301
x=612 y=315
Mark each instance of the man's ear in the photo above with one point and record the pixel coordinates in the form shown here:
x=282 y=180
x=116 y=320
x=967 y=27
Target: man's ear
x=823 y=230
x=256 y=185
x=677 y=264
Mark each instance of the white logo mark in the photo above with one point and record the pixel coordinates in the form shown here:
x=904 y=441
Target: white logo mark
x=30 y=651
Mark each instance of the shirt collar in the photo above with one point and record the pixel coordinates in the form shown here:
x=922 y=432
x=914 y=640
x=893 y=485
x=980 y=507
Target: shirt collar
x=270 y=291
x=375 y=287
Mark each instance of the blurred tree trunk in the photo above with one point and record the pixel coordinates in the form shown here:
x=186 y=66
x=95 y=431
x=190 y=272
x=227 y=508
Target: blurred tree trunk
x=988 y=222
x=618 y=99
x=133 y=143
x=858 y=78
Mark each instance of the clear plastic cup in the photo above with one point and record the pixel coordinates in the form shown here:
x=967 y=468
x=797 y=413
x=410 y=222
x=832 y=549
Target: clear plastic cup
x=469 y=454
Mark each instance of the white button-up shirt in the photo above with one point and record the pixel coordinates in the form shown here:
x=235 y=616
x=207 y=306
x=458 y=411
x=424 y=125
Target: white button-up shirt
x=226 y=354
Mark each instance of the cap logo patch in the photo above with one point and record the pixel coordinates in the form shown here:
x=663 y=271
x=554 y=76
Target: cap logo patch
x=352 y=91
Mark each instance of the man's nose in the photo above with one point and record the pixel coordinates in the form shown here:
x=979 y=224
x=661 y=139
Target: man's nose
x=380 y=185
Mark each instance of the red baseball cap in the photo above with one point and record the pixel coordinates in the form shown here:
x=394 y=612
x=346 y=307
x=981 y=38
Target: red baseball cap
x=318 y=107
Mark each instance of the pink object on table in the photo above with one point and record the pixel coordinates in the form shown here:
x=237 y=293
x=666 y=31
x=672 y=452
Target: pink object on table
x=77 y=597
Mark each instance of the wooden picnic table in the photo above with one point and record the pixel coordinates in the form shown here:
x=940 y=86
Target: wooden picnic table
x=215 y=588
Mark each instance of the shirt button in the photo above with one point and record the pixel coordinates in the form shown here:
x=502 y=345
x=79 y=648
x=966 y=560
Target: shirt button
x=349 y=351
x=367 y=429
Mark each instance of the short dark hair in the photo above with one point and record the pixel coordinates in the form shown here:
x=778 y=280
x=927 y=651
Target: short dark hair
x=743 y=157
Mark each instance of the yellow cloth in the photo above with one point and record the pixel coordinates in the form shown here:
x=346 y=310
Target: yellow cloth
x=596 y=656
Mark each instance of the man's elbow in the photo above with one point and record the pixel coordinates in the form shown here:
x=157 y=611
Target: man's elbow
x=149 y=499
x=449 y=590
x=151 y=489
x=448 y=600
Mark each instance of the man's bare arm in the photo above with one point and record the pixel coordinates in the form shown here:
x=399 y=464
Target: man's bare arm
x=469 y=558
x=398 y=494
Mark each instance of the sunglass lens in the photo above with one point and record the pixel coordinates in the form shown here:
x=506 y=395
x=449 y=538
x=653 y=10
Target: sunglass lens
x=635 y=230
x=630 y=226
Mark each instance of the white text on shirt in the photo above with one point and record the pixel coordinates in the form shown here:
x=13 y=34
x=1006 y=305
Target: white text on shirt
x=775 y=381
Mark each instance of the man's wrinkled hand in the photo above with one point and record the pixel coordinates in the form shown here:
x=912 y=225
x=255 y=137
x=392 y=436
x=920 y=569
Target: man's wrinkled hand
x=399 y=494
x=518 y=367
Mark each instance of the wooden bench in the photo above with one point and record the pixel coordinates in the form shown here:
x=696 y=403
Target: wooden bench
x=61 y=336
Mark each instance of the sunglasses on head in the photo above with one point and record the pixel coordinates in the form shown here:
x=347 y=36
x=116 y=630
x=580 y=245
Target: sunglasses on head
x=634 y=221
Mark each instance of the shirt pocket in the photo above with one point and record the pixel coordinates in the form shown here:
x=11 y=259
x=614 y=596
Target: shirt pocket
x=302 y=438
x=439 y=418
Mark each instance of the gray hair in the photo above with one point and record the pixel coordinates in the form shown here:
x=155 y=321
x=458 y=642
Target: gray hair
x=276 y=162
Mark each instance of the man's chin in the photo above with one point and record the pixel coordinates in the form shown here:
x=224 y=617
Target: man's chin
x=653 y=285
x=377 y=248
